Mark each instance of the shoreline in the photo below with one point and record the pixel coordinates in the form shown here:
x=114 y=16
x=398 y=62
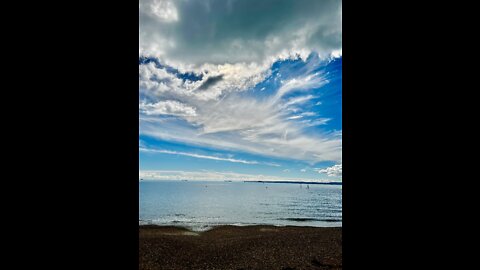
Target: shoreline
x=240 y=247
x=212 y=227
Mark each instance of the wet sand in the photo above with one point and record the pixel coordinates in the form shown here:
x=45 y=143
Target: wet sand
x=232 y=247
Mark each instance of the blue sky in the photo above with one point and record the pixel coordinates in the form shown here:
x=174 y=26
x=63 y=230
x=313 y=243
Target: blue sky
x=244 y=114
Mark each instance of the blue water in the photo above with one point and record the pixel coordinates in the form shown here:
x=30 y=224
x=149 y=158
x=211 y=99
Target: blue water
x=202 y=205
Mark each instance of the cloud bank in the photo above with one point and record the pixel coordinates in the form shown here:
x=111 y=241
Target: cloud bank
x=335 y=170
x=214 y=176
x=190 y=33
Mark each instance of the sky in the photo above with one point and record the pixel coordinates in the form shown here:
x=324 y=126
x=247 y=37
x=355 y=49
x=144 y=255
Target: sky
x=240 y=90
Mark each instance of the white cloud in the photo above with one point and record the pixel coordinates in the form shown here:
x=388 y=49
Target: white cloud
x=315 y=122
x=308 y=114
x=168 y=107
x=299 y=100
x=301 y=83
x=335 y=170
x=157 y=82
x=336 y=53
x=215 y=176
x=163 y=10
x=234 y=77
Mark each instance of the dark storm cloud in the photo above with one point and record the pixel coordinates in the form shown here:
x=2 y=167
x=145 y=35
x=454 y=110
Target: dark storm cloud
x=221 y=31
x=210 y=82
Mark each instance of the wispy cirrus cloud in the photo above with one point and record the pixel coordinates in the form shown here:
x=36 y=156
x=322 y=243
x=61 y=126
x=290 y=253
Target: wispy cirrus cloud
x=195 y=155
x=271 y=125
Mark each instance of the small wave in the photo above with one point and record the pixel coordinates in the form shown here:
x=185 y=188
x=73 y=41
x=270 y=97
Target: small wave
x=311 y=219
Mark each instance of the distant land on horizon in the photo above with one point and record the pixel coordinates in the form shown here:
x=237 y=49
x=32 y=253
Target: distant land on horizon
x=296 y=182
x=257 y=181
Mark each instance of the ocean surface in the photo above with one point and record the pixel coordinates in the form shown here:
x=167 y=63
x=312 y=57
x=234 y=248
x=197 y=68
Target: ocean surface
x=202 y=205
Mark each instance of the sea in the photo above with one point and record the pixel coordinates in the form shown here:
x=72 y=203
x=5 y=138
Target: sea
x=201 y=205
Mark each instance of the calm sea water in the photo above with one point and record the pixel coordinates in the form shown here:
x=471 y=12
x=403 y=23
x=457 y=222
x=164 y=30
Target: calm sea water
x=202 y=205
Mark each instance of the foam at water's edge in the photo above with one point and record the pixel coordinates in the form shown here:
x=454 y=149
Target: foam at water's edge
x=202 y=227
